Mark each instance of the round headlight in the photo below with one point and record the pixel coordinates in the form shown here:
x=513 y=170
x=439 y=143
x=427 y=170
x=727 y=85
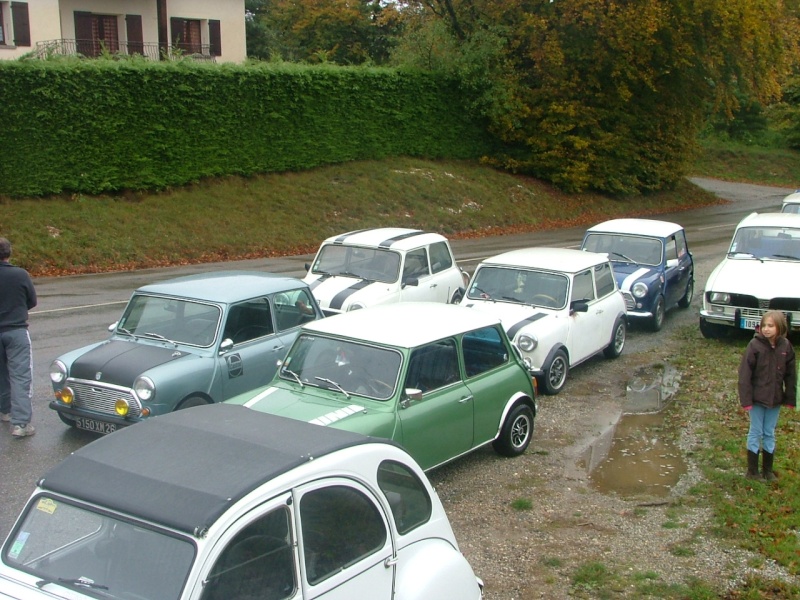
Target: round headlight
x=639 y=289
x=719 y=298
x=58 y=372
x=356 y=306
x=144 y=388
x=121 y=407
x=527 y=342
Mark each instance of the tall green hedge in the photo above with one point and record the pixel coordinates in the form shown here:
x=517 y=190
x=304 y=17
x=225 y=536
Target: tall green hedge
x=102 y=125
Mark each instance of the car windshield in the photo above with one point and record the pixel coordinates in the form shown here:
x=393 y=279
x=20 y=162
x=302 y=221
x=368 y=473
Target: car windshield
x=374 y=264
x=781 y=243
x=75 y=546
x=523 y=286
x=176 y=320
x=625 y=248
x=345 y=366
x=791 y=207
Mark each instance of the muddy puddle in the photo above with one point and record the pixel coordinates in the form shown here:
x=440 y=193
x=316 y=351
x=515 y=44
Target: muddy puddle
x=639 y=455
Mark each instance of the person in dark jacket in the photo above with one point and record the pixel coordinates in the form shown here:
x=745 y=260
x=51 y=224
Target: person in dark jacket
x=767 y=381
x=17 y=296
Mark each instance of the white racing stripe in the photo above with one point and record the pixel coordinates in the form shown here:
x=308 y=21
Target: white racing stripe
x=260 y=397
x=631 y=279
x=337 y=415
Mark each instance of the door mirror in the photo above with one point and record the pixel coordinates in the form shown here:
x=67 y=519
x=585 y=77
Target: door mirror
x=579 y=306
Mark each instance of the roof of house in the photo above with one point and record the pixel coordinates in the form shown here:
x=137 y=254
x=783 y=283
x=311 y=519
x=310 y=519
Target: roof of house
x=185 y=469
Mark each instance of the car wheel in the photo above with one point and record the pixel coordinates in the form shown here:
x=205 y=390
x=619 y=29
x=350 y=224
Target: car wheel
x=457 y=297
x=614 y=349
x=192 y=401
x=67 y=420
x=657 y=321
x=687 y=297
x=712 y=331
x=516 y=433
x=556 y=374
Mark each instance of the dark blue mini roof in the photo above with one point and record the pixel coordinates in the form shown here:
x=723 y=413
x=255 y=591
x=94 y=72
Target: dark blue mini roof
x=185 y=469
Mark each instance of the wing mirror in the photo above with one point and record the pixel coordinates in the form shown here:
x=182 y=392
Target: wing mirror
x=226 y=345
x=409 y=395
x=579 y=306
x=672 y=263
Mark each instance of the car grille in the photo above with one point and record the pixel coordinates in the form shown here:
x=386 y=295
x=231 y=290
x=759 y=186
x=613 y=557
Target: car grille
x=100 y=398
x=630 y=303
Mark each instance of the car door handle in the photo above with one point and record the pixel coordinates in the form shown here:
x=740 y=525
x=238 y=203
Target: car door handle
x=433 y=285
x=278 y=348
x=465 y=399
x=390 y=562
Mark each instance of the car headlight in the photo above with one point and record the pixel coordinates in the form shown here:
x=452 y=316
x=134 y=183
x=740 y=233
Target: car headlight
x=639 y=289
x=527 y=343
x=58 y=372
x=355 y=306
x=719 y=298
x=144 y=388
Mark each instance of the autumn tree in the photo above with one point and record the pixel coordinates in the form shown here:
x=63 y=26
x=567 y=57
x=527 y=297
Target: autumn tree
x=605 y=94
x=338 y=31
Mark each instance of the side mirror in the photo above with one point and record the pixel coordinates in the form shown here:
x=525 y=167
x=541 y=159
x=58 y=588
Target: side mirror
x=409 y=395
x=307 y=267
x=226 y=345
x=113 y=326
x=579 y=306
x=412 y=281
x=672 y=263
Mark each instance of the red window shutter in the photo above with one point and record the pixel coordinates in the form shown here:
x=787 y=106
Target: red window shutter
x=84 y=35
x=133 y=25
x=22 y=23
x=215 y=37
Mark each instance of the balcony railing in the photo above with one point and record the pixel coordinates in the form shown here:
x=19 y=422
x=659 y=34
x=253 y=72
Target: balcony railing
x=97 y=48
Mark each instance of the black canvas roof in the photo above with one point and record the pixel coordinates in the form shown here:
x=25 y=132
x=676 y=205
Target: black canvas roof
x=186 y=468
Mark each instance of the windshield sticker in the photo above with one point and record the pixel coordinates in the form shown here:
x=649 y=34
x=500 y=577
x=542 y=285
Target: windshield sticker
x=47 y=505
x=19 y=544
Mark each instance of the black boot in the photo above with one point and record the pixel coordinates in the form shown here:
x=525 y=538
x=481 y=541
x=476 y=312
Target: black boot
x=752 y=466
x=766 y=467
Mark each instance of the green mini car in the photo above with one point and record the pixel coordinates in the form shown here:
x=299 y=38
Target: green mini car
x=439 y=379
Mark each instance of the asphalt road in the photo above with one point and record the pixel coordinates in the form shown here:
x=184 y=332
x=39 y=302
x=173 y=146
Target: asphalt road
x=74 y=311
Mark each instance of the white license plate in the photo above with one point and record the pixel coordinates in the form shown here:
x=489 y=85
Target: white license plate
x=96 y=426
x=749 y=323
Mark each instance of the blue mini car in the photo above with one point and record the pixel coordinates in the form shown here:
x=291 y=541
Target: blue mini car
x=652 y=265
x=180 y=343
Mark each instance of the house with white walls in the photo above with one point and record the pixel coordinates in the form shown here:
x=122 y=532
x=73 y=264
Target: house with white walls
x=156 y=29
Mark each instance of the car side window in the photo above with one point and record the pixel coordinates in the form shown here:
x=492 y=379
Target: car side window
x=582 y=286
x=257 y=563
x=441 y=259
x=680 y=239
x=416 y=264
x=293 y=308
x=483 y=350
x=248 y=321
x=407 y=496
x=340 y=526
x=604 y=278
x=671 y=248
x=433 y=366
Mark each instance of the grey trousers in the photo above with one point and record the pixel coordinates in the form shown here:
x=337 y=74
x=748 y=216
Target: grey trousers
x=16 y=375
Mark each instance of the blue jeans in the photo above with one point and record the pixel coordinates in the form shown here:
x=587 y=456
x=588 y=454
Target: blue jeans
x=762 y=428
x=16 y=380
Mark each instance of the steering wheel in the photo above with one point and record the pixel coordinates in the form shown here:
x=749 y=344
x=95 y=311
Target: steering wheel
x=550 y=300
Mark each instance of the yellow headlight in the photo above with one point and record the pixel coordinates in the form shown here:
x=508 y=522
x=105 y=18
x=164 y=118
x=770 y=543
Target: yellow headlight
x=66 y=395
x=121 y=407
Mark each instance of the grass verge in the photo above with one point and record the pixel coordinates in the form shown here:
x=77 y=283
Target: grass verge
x=290 y=213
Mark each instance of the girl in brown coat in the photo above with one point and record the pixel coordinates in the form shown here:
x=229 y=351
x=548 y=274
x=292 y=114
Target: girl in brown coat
x=767 y=380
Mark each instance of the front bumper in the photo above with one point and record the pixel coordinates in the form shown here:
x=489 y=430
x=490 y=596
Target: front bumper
x=70 y=411
x=744 y=318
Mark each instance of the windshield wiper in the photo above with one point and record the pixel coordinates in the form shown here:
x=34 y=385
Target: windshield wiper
x=334 y=384
x=80 y=582
x=293 y=374
x=620 y=254
x=750 y=254
x=158 y=336
x=789 y=256
x=126 y=332
x=484 y=295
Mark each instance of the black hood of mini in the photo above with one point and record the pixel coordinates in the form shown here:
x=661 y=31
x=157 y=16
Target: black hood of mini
x=120 y=363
